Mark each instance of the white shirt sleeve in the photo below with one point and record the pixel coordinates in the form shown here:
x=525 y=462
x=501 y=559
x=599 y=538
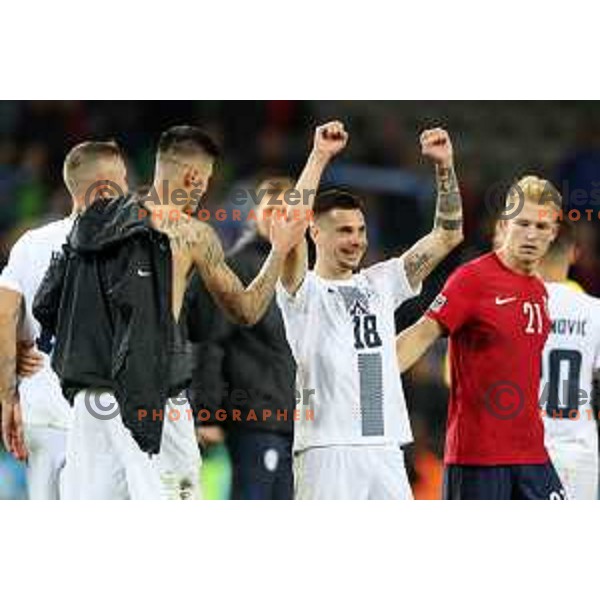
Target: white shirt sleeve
x=294 y=303
x=295 y=311
x=13 y=276
x=389 y=277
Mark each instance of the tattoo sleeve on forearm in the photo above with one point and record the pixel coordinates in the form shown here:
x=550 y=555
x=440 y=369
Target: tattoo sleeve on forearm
x=182 y=231
x=430 y=250
x=8 y=353
x=245 y=305
x=8 y=378
x=417 y=264
x=448 y=215
x=261 y=290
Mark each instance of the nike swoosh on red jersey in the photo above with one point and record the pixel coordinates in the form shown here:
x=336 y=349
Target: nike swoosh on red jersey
x=501 y=301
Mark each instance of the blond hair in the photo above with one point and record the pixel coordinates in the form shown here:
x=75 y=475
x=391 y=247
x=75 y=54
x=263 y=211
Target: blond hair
x=531 y=188
x=81 y=157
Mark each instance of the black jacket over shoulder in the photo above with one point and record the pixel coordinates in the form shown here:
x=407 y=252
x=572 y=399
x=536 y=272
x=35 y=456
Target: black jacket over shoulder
x=107 y=303
x=241 y=367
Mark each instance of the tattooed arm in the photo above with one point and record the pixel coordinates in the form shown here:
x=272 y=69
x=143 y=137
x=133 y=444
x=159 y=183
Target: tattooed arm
x=329 y=140
x=12 y=420
x=447 y=232
x=10 y=310
x=245 y=305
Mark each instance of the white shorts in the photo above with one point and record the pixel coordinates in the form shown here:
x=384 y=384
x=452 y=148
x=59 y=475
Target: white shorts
x=104 y=462
x=46 y=447
x=351 y=473
x=577 y=466
x=179 y=459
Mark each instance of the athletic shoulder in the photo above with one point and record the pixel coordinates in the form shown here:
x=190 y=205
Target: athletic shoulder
x=203 y=242
x=49 y=231
x=592 y=302
x=204 y=233
x=572 y=294
x=35 y=245
x=592 y=310
x=23 y=241
x=579 y=302
x=41 y=236
x=472 y=273
x=481 y=264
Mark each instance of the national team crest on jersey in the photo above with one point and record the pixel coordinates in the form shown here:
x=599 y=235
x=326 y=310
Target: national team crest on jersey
x=438 y=303
x=356 y=300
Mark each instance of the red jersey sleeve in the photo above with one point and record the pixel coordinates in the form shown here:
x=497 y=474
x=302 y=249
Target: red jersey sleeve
x=453 y=306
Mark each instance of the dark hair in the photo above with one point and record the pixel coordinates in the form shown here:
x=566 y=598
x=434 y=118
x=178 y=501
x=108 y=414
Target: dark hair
x=187 y=140
x=565 y=240
x=337 y=197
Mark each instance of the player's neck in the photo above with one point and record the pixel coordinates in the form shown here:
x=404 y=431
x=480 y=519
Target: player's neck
x=163 y=206
x=516 y=265
x=160 y=195
x=166 y=192
x=554 y=273
x=326 y=271
x=77 y=208
x=81 y=203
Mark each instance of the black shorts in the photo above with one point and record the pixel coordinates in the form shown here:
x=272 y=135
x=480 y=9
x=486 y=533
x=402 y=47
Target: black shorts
x=507 y=482
x=261 y=463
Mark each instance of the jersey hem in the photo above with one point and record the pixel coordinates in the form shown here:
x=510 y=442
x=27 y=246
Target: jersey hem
x=396 y=443
x=497 y=461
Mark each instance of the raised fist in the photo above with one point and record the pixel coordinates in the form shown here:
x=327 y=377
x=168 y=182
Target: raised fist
x=436 y=145
x=330 y=139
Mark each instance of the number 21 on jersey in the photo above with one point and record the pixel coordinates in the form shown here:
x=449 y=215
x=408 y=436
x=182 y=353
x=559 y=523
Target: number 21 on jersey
x=533 y=312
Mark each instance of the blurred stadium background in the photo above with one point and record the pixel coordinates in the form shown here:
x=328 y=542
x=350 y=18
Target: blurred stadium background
x=495 y=142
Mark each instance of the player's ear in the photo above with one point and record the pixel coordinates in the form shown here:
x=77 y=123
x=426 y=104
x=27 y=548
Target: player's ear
x=574 y=253
x=555 y=228
x=314 y=232
x=190 y=175
x=499 y=233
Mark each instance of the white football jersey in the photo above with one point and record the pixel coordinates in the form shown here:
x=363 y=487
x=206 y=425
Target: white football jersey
x=342 y=335
x=570 y=356
x=41 y=395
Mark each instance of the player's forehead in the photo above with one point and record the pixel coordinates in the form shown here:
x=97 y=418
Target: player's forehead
x=198 y=161
x=537 y=213
x=103 y=168
x=116 y=163
x=204 y=166
x=346 y=217
x=101 y=163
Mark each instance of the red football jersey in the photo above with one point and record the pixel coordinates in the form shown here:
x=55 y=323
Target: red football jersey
x=498 y=323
